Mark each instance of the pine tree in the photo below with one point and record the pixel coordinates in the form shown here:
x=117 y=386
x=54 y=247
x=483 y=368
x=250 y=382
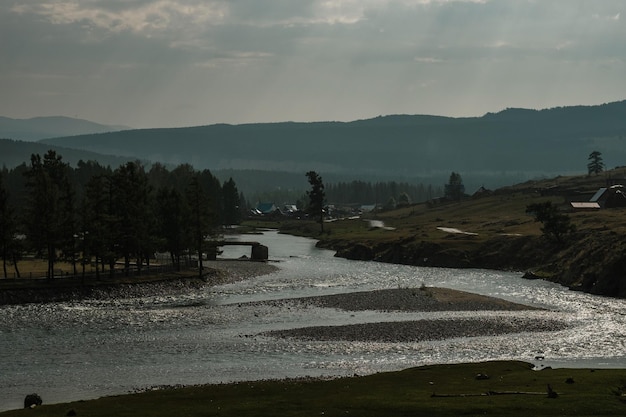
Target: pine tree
x=316 y=197
x=201 y=218
x=230 y=203
x=132 y=213
x=7 y=226
x=99 y=221
x=595 y=165
x=174 y=224
x=49 y=210
x=455 y=189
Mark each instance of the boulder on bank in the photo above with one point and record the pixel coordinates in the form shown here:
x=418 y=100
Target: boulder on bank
x=32 y=400
x=530 y=275
x=356 y=252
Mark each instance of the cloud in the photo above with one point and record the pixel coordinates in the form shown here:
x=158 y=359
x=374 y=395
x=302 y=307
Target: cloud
x=614 y=17
x=141 y=17
x=427 y=60
x=179 y=62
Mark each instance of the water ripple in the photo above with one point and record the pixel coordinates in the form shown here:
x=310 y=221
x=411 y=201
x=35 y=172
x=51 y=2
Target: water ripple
x=78 y=350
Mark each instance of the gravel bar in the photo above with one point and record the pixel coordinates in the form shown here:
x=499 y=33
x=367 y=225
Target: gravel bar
x=421 y=330
x=412 y=299
x=238 y=270
x=416 y=300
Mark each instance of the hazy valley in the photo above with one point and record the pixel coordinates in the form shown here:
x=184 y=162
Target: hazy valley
x=497 y=149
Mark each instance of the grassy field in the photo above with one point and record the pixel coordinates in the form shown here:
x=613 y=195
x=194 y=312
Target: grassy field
x=33 y=273
x=506 y=389
x=37 y=268
x=500 y=214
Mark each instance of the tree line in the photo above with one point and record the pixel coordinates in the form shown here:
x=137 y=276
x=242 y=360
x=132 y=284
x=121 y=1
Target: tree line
x=362 y=192
x=98 y=215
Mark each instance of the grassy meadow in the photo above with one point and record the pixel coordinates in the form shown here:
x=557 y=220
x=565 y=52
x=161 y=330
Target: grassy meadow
x=501 y=213
x=491 y=388
x=33 y=272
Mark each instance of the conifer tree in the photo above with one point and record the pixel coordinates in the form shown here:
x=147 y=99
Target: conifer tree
x=98 y=225
x=455 y=189
x=174 y=224
x=316 y=197
x=49 y=210
x=201 y=225
x=231 y=203
x=595 y=165
x=132 y=213
x=7 y=226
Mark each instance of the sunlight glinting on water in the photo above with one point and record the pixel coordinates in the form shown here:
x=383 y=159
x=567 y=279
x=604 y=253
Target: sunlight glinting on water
x=80 y=350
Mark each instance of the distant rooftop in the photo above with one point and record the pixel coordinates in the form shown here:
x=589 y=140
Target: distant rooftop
x=585 y=205
x=598 y=194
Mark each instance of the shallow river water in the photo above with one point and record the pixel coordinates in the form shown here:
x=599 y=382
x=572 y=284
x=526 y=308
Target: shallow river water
x=82 y=350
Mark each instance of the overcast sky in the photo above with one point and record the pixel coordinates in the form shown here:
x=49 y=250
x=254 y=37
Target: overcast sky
x=162 y=63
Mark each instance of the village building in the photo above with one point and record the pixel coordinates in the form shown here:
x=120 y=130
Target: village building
x=265 y=209
x=605 y=197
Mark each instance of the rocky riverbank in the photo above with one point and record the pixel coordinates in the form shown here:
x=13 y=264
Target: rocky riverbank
x=588 y=262
x=228 y=271
x=502 y=252
x=44 y=291
x=23 y=291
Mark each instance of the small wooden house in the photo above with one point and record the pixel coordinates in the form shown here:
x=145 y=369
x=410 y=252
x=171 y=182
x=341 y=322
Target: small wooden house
x=605 y=197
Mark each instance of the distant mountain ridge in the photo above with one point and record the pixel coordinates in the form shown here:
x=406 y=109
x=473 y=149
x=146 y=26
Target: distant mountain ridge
x=16 y=152
x=510 y=142
x=37 y=128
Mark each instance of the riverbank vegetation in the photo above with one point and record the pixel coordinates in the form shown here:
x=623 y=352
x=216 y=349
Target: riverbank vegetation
x=502 y=388
x=496 y=230
x=109 y=219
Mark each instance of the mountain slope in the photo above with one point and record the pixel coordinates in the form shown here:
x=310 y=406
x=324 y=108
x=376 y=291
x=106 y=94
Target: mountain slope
x=514 y=140
x=47 y=127
x=15 y=152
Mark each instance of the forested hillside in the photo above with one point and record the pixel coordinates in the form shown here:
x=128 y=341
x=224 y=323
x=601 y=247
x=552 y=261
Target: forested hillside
x=496 y=149
x=15 y=152
x=282 y=187
x=267 y=161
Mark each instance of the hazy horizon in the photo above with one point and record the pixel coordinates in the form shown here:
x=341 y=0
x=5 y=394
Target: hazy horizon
x=126 y=127
x=174 y=63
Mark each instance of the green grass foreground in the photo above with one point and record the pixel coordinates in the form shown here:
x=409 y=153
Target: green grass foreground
x=512 y=389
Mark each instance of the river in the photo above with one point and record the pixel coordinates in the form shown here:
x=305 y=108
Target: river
x=82 y=350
